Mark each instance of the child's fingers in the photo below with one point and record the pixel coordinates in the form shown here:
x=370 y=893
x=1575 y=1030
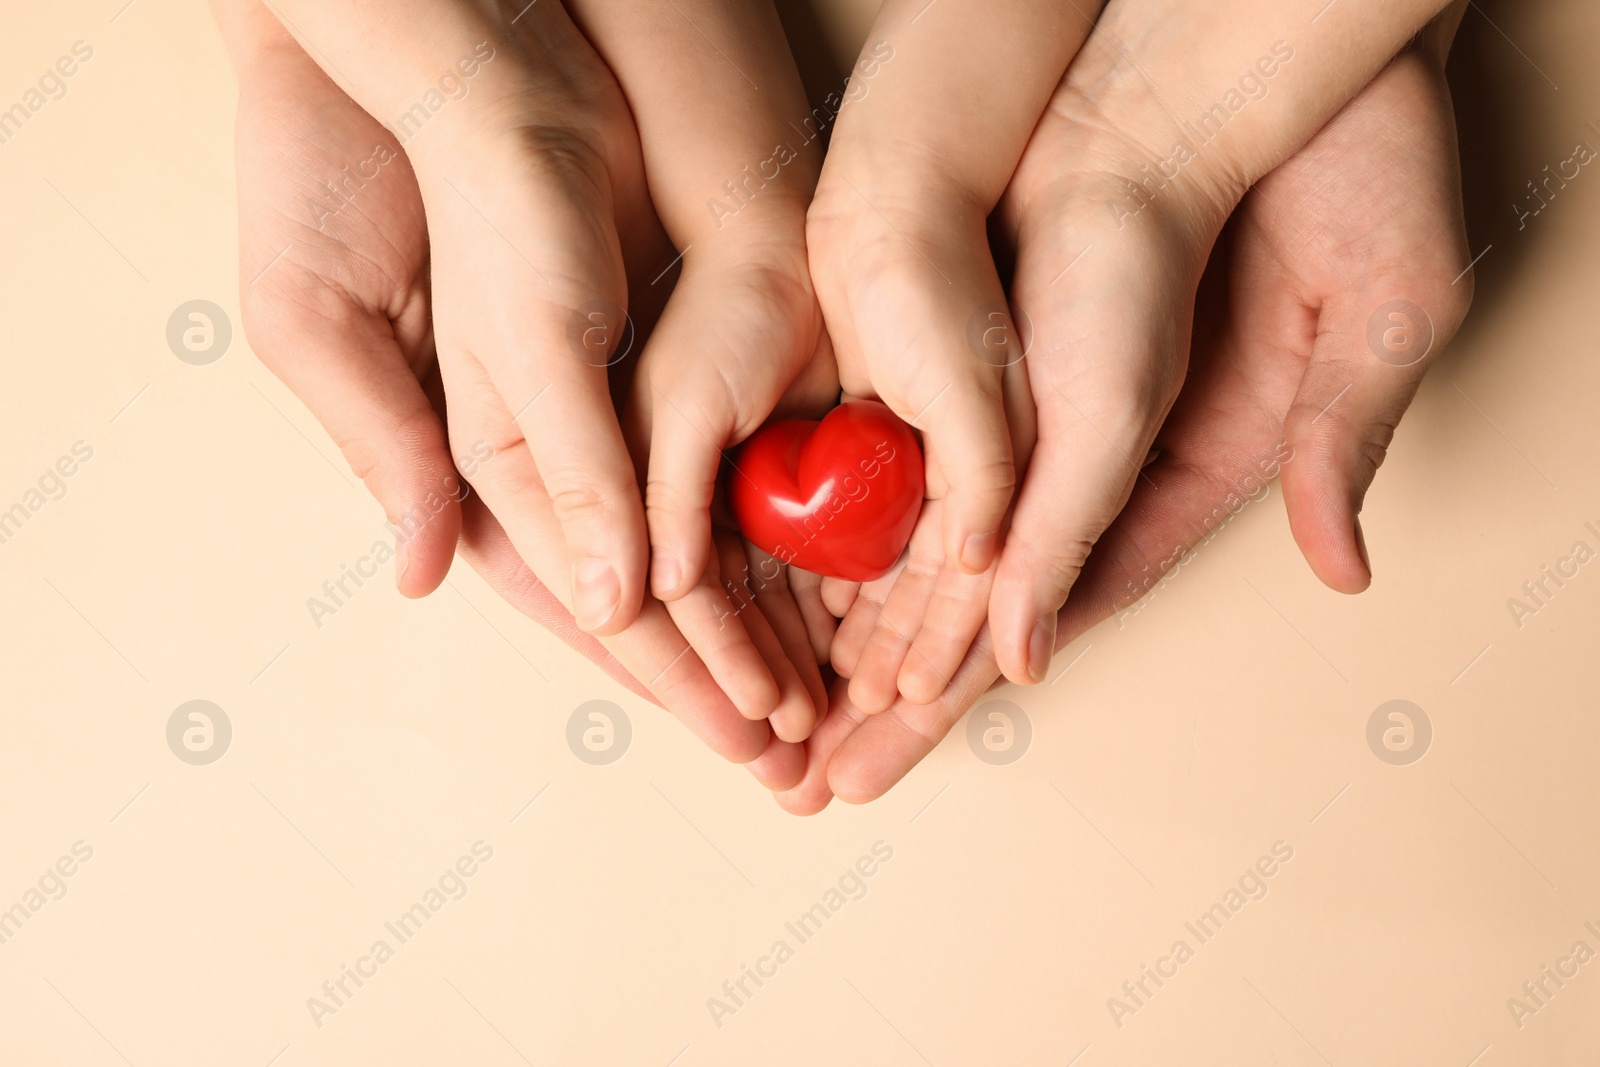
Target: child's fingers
x=742 y=322
x=687 y=436
x=954 y=615
x=715 y=629
x=650 y=657
x=820 y=622
x=838 y=594
x=795 y=710
x=873 y=683
x=779 y=604
x=906 y=325
x=737 y=331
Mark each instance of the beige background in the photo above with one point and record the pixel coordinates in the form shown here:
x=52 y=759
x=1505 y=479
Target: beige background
x=369 y=755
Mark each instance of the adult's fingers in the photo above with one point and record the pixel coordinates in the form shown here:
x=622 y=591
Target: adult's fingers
x=577 y=445
x=487 y=550
x=781 y=765
x=771 y=583
x=1378 y=331
x=1177 y=505
x=715 y=627
x=1371 y=351
x=651 y=658
x=796 y=708
x=815 y=612
x=524 y=192
x=349 y=341
x=651 y=649
x=883 y=748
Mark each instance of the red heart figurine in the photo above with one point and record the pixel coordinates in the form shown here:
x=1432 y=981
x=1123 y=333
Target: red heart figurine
x=837 y=497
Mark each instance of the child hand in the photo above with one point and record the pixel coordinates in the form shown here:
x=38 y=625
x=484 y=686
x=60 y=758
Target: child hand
x=938 y=113
x=741 y=336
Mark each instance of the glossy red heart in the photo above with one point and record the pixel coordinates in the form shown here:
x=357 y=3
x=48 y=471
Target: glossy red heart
x=837 y=497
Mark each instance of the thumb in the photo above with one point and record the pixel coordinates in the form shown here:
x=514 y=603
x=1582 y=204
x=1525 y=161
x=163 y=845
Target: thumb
x=346 y=366
x=1368 y=360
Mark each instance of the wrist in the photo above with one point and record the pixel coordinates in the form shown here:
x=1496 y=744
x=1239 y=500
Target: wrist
x=1205 y=113
x=253 y=36
x=775 y=254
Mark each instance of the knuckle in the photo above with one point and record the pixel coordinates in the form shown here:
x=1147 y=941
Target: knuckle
x=697 y=409
x=1058 y=569
x=990 y=483
x=416 y=435
x=578 y=501
x=669 y=499
x=828 y=221
x=564 y=157
x=1375 y=449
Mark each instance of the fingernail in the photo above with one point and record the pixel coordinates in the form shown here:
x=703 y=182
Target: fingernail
x=978 y=552
x=595 y=592
x=1361 y=547
x=1041 y=643
x=666 y=572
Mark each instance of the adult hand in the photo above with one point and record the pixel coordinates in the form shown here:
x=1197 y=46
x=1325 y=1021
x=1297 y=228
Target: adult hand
x=1285 y=374
x=529 y=166
x=1165 y=119
x=342 y=315
x=1369 y=210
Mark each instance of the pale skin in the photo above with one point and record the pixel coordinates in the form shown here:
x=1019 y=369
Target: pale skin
x=344 y=318
x=1371 y=202
x=1105 y=282
x=542 y=198
x=1099 y=409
